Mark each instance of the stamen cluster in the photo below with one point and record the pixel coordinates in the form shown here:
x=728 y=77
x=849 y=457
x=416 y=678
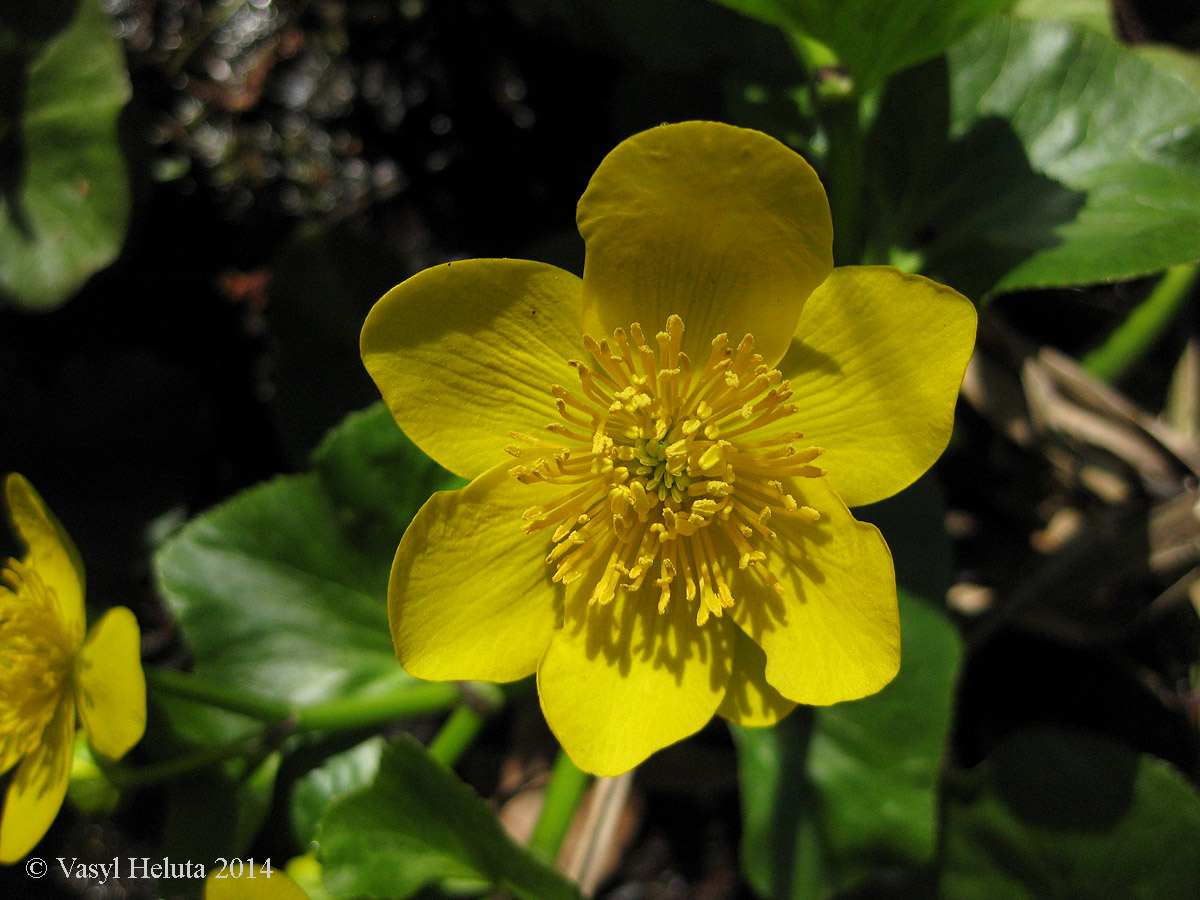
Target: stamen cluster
x=36 y=663
x=663 y=474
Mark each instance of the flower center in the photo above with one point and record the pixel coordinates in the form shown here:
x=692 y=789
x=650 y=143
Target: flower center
x=669 y=472
x=36 y=663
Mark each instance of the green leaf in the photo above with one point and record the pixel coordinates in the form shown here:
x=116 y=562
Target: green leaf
x=1094 y=14
x=345 y=773
x=874 y=40
x=1041 y=154
x=829 y=797
x=217 y=812
x=1056 y=813
x=281 y=591
x=419 y=825
x=824 y=803
x=64 y=193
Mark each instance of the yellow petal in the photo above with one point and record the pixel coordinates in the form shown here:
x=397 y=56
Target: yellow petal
x=465 y=352
x=110 y=687
x=51 y=552
x=834 y=634
x=38 y=786
x=749 y=700
x=470 y=595
x=631 y=680
x=262 y=886
x=723 y=226
x=875 y=368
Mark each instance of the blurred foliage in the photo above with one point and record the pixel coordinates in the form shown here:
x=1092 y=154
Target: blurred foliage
x=64 y=193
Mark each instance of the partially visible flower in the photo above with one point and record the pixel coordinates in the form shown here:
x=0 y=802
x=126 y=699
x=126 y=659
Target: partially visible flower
x=272 y=883
x=52 y=676
x=667 y=546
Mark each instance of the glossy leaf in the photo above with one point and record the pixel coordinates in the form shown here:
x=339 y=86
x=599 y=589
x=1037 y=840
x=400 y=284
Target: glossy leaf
x=418 y=825
x=1057 y=813
x=823 y=804
x=64 y=192
x=871 y=39
x=1095 y=14
x=281 y=590
x=829 y=795
x=1039 y=154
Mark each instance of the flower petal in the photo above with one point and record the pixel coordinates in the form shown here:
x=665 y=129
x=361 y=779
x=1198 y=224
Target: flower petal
x=834 y=634
x=621 y=680
x=466 y=352
x=36 y=793
x=725 y=227
x=110 y=687
x=875 y=368
x=749 y=700
x=51 y=552
x=470 y=595
x=258 y=885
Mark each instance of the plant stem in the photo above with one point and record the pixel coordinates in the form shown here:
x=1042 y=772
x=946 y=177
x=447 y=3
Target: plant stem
x=563 y=793
x=844 y=176
x=156 y=773
x=465 y=722
x=281 y=719
x=415 y=699
x=839 y=107
x=1133 y=337
x=342 y=714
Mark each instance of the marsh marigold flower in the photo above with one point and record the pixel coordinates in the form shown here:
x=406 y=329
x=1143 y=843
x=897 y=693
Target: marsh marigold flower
x=259 y=885
x=689 y=423
x=51 y=675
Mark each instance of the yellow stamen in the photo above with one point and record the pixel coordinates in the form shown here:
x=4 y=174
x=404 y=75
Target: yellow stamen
x=35 y=664
x=667 y=472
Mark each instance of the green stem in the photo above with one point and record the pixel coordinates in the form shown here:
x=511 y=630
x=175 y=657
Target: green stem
x=844 y=177
x=194 y=687
x=839 y=108
x=460 y=729
x=1133 y=337
x=416 y=699
x=456 y=735
x=342 y=714
x=156 y=773
x=563 y=793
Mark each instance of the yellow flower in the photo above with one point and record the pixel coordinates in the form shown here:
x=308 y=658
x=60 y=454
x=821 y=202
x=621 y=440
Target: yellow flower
x=273 y=884
x=666 y=547
x=51 y=675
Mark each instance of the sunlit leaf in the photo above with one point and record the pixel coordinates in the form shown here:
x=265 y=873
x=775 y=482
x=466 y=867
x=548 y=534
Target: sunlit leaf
x=1095 y=14
x=281 y=590
x=871 y=39
x=1041 y=154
